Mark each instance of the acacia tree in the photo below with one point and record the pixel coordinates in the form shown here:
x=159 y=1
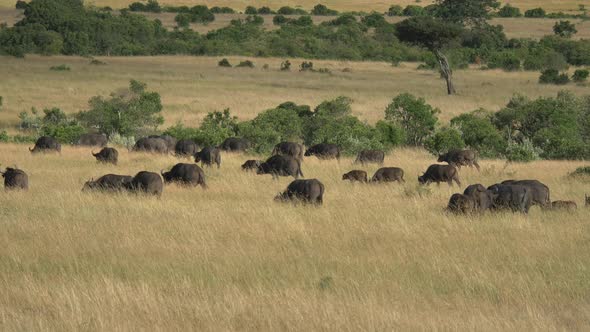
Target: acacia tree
x=466 y=12
x=433 y=34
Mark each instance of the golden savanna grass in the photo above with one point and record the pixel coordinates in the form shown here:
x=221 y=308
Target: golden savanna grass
x=374 y=257
x=192 y=86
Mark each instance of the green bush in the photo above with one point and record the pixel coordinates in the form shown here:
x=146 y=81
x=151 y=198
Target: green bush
x=541 y=59
x=21 y=4
x=390 y=135
x=286 y=10
x=271 y=127
x=580 y=75
x=478 y=132
x=413 y=10
x=4 y=138
x=30 y=122
x=201 y=14
x=552 y=76
x=581 y=172
x=264 y=11
x=60 y=68
x=444 y=140
x=373 y=20
x=506 y=60
x=250 y=10
x=321 y=10
x=279 y=20
x=395 y=10
x=183 y=20
x=535 y=13
x=151 y=6
x=509 y=11
x=222 y=10
x=564 y=29
x=255 y=20
x=522 y=152
x=414 y=115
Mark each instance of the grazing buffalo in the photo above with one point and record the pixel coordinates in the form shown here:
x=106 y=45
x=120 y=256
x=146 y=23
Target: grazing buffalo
x=539 y=191
x=324 y=151
x=460 y=203
x=281 y=166
x=170 y=141
x=186 y=148
x=251 y=165
x=306 y=191
x=99 y=140
x=107 y=155
x=151 y=144
x=389 y=174
x=511 y=197
x=564 y=205
x=146 y=182
x=235 y=144
x=15 y=178
x=587 y=200
x=46 y=144
x=110 y=182
x=356 y=175
x=460 y=158
x=290 y=149
x=480 y=195
x=440 y=173
x=208 y=156
x=370 y=156
x=189 y=174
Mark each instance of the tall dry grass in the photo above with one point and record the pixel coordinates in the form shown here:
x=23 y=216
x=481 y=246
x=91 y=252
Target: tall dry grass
x=374 y=257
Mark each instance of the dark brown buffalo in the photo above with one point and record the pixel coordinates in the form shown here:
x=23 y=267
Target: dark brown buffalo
x=511 y=197
x=290 y=149
x=186 y=148
x=306 y=191
x=109 y=182
x=235 y=144
x=440 y=173
x=539 y=191
x=564 y=205
x=324 y=151
x=170 y=141
x=356 y=175
x=460 y=158
x=15 y=178
x=389 y=174
x=480 y=194
x=460 y=203
x=151 y=144
x=189 y=174
x=99 y=140
x=107 y=155
x=587 y=200
x=251 y=165
x=146 y=182
x=46 y=144
x=281 y=166
x=208 y=156
x=370 y=156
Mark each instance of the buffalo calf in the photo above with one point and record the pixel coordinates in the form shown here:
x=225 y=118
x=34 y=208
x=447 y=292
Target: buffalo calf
x=389 y=174
x=251 y=165
x=356 y=175
x=564 y=205
x=109 y=182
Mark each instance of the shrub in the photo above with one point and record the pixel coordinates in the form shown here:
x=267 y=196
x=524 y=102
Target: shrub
x=552 y=76
x=564 y=29
x=250 y=10
x=271 y=127
x=522 y=152
x=4 y=137
x=118 y=140
x=444 y=140
x=545 y=59
x=255 y=20
x=535 y=13
x=30 y=122
x=348 y=132
x=183 y=20
x=506 y=60
x=414 y=115
x=580 y=75
x=21 y=4
x=321 y=10
x=395 y=10
x=216 y=127
x=264 y=11
x=509 y=11
x=224 y=63
x=201 y=14
x=373 y=20
x=479 y=133
x=413 y=10
x=137 y=7
x=279 y=20
x=390 y=135
x=247 y=64
x=60 y=68
x=222 y=10
x=581 y=172
x=286 y=10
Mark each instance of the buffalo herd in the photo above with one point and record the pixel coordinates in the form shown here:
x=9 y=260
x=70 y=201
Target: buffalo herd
x=285 y=161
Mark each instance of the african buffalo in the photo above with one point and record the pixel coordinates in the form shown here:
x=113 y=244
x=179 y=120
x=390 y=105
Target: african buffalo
x=440 y=173
x=460 y=158
x=15 y=178
x=564 y=205
x=46 y=144
x=251 y=165
x=481 y=196
x=146 y=182
x=189 y=174
x=460 y=203
x=170 y=141
x=281 y=166
x=587 y=200
x=107 y=155
x=235 y=144
x=151 y=144
x=389 y=174
x=186 y=148
x=306 y=191
x=290 y=149
x=110 y=182
x=208 y=156
x=512 y=197
x=370 y=156
x=324 y=151
x=356 y=175
x=539 y=191
x=99 y=140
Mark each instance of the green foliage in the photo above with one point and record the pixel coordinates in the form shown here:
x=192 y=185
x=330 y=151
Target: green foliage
x=565 y=29
x=390 y=134
x=581 y=172
x=552 y=76
x=414 y=115
x=428 y=32
x=509 y=11
x=479 y=133
x=444 y=140
x=321 y=10
x=118 y=140
x=348 y=132
x=505 y=60
x=271 y=127
x=183 y=20
x=413 y=10
x=580 y=75
x=60 y=68
x=250 y=10
x=222 y=10
x=30 y=122
x=395 y=10
x=279 y=20
x=201 y=14
x=255 y=20
x=21 y=4
x=54 y=123
x=522 y=152
x=373 y=20
x=535 y=13
x=126 y=112
x=286 y=10
x=265 y=11
x=151 y=6
x=466 y=12
x=542 y=58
